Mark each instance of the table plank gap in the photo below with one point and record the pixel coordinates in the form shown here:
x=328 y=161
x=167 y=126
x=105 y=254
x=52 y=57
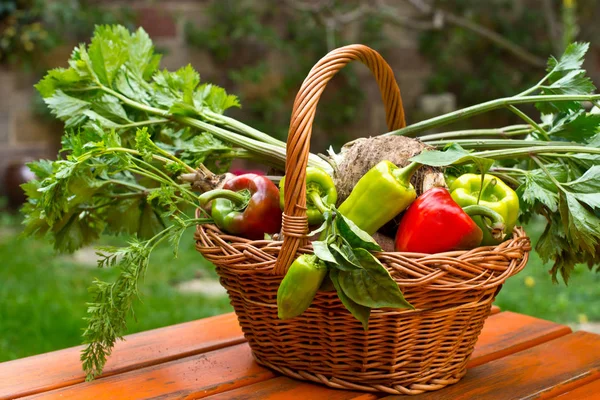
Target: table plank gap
x=62 y=368
x=507 y=333
x=195 y=377
x=585 y=392
x=540 y=372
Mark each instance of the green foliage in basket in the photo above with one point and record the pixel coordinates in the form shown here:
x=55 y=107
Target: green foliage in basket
x=139 y=138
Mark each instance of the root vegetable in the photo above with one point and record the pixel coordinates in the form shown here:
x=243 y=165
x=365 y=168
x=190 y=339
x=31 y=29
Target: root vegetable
x=361 y=155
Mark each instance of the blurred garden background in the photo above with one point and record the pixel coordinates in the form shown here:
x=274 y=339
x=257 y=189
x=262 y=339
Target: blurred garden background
x=445 y=55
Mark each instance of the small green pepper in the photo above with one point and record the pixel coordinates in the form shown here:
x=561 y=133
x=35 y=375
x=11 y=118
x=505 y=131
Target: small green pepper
x=497 y=195
x=381 y=194
x=299 y=286
x=320 y=193
x=449 y=179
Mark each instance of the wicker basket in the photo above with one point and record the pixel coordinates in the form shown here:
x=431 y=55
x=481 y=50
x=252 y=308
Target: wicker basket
x=404 y=351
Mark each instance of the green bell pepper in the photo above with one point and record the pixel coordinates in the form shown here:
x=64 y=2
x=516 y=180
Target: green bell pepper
x=449 y=179
x=299 y=286
x=381 y=194
x=467 y=190
x=320 y=194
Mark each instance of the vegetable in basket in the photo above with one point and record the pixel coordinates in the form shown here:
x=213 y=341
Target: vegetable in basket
x=299 y=286
x=247 y=205
x=381 y=194
x=343 y=250
x=141 y=141
x=467 y=190
x=434 y=223
x=320 y=194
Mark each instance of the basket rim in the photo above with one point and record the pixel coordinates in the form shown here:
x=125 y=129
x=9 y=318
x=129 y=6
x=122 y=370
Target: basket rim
x=518 y=232
x=480 y=268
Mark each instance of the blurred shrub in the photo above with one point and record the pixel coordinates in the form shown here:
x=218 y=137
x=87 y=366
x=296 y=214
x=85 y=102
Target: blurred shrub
x=30 y=28
x=22 y=34
x=474 y=68
x=245 y=38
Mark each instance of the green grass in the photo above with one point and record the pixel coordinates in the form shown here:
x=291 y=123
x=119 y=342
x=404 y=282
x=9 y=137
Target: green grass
x=43 y=295
x=532 y=291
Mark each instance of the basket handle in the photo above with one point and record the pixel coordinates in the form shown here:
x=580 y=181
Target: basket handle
x=295 y=222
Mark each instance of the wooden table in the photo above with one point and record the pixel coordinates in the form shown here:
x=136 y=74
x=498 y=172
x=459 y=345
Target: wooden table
x=517 y=356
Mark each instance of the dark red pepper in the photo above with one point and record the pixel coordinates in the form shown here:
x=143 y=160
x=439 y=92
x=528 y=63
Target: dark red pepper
x=247 y=205
x=435 y=223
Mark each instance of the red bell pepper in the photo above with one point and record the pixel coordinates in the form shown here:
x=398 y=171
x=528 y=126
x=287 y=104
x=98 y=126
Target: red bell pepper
x=247 y=205
x=435 y=223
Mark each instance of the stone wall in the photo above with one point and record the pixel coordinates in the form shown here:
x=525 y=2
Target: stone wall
x=23 y=135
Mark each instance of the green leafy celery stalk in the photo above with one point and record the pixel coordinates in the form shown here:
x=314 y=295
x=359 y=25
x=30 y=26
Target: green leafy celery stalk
x=115 y=83
x=554 y=164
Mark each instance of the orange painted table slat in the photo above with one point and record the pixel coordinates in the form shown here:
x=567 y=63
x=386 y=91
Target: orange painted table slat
x=585 y=392
x=508 y=333
x=284 y=388
x=191 y=377
x=517 y=356
x=63 y=368
x=540 y=372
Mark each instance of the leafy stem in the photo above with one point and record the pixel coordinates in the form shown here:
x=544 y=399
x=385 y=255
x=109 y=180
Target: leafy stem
x=506 y=170
x=550 y=150
x=506 y=178
x=550 y=176
x=144 y=123
x=111 y=150
x=107 y=314
x=251 y=139
x=499 y=143
x=317 y=201
x=471 y=111
x=537 y=85
x=168 y=182
x=241 y=127
x=507 y=131
x=135 y=104
x=126 y=184
x=160 y=175
x=128 y=195
x=530 y=121
x=168 y=157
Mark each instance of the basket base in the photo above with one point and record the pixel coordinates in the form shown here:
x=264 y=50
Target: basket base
x=404 y=352
x=336 y=383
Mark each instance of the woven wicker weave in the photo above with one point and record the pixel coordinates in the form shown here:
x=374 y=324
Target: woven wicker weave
x=404 y=351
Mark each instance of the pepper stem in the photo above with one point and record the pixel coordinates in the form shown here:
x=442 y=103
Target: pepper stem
x=497 y=227
x=317 y=201
x=489 y=185
x=237 y=198
x=404 y=174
